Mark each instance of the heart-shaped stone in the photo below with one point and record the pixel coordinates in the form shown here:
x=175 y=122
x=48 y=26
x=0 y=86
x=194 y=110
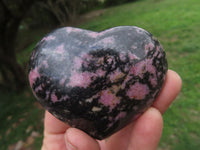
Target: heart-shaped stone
x=97 y=82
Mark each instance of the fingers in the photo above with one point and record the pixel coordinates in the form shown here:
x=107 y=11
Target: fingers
x=170 y=90
x=78 y=140
x=54 y=126
x=54 y=130
x=147 y=131
x=75 y=139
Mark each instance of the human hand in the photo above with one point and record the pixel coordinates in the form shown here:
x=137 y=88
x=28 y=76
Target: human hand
x=142 y=134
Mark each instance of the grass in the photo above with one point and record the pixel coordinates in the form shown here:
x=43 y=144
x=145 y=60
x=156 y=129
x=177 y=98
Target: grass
x=19 y=117
x=176 y=25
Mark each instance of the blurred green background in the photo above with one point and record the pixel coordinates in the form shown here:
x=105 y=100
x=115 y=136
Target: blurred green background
x=23 y=23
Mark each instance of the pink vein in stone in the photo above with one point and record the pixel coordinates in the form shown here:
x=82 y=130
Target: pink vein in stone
x=48 y=38
x=65 y=98
x=86 y=56
x=86 y=59
x=128 y=77
x=138 y=69
x=100 y=72
x=134 y=47
x=159 y=48
x=114 y=76
x=100 y=61
x=109 y=99
x=110 y=59
x=120 y=115
x=153 y=80
x=122 y=56
x=151 y=69
x=62 y=81
x=39 y=88
x=60 y=49
x=47 y=95
x=132 y=56
x=78 y=62
x=108 y=40
x=45 y=63
x=138 y=91
x=148 y=47
x=33 y=75
x=54 y=98
x=93 y=34
x=82 y=79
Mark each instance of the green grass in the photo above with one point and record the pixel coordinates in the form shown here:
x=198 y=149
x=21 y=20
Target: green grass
x=18 y=113
x=176 y=24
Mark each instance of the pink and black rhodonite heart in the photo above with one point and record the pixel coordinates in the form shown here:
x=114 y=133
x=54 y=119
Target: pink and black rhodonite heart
x=97 y=81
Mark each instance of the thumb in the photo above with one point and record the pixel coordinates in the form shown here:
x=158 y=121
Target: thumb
x=76 y=139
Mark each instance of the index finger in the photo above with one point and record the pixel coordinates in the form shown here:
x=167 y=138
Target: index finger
x=170 y=90
x=54 y=126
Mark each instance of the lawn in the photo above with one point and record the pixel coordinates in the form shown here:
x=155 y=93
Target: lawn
x=176 y=24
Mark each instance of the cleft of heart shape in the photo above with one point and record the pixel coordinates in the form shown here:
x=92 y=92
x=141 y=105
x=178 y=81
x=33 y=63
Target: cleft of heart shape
x=97 y=81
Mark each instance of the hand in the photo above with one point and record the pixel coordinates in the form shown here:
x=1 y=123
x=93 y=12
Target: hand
x=143 y=134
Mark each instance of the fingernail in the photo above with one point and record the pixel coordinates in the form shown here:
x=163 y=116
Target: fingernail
x=68 y=143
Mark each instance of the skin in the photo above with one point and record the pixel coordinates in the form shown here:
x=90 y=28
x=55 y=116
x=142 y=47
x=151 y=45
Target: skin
x=144 y=133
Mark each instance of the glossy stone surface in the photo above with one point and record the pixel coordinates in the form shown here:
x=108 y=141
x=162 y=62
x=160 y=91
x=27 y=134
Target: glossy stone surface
x=97 y=82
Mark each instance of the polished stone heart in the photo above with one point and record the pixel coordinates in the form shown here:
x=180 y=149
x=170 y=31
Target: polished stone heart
x=97 y=82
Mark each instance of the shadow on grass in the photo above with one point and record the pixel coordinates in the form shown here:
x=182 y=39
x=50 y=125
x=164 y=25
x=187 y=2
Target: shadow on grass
x=21 y=121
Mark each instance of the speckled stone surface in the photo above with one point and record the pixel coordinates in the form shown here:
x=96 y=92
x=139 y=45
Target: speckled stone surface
x=97 y=82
